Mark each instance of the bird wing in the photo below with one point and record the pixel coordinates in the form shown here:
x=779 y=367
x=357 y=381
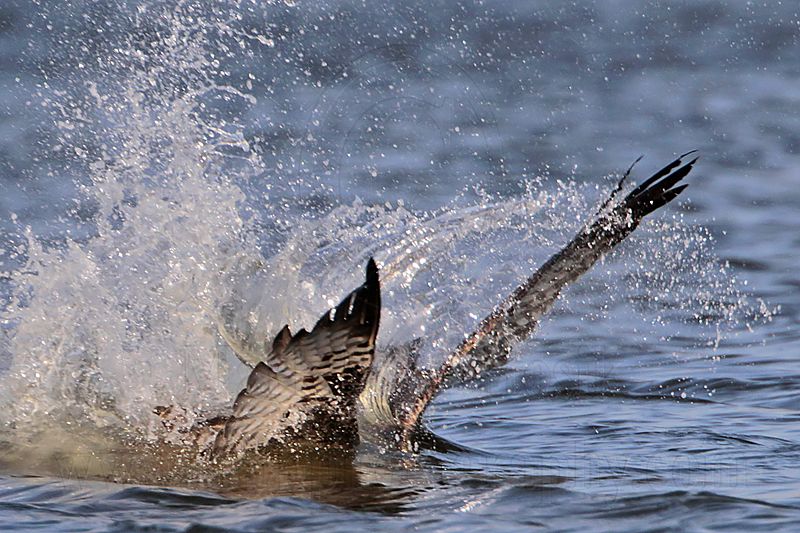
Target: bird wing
x=326 y=367
x=518 y=315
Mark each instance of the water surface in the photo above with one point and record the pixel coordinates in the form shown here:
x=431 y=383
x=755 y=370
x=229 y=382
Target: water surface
x=162 y=161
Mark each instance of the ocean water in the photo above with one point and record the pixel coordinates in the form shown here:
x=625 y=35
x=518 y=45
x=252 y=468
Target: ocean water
x=169 y=167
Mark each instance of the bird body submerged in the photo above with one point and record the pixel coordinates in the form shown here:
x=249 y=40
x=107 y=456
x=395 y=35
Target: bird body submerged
x=318 y=390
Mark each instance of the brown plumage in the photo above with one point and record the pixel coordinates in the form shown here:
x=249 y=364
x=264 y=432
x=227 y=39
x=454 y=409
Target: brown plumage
x=310 y=380
x=310 y=386
x=518 y=315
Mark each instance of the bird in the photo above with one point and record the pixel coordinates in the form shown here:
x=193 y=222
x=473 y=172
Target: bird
x=319 y=390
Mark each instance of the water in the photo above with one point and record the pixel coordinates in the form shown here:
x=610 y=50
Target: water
x=163 y=162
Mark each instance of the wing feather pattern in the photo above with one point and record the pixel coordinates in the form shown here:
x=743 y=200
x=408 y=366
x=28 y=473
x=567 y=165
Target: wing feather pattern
x=323 y=370
x=518 y=315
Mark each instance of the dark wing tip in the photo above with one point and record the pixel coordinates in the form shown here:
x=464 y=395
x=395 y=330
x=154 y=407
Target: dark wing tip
x=373 y=287
x=660 y=188
x=668 y=196
x=282 y=339
x=373 y=297
x=372 y=273
x=666 y=171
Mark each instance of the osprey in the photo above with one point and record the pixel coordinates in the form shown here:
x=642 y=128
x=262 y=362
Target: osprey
x=318 y=389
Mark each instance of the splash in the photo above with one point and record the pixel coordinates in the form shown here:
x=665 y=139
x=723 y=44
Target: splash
x=105 y=327
x=123 y=313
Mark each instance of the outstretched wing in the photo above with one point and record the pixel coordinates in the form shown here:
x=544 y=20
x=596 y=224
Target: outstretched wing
x=517 y=316
x=324 y=368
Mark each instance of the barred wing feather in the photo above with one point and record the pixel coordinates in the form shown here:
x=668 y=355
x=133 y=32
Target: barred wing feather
x=517 y=316
x=324 y=369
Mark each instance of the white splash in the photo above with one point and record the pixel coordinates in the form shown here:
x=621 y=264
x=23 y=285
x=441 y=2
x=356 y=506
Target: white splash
x=107 y=327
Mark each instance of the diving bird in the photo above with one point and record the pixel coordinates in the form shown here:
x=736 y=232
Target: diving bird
x=320 y=389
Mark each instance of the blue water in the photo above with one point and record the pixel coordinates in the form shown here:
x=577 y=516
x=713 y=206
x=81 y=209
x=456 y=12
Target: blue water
x=147 y=152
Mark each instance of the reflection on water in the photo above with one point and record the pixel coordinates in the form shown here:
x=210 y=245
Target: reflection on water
x=333 y=480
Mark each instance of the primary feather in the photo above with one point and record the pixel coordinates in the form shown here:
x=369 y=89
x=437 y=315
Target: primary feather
x=318 y=386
